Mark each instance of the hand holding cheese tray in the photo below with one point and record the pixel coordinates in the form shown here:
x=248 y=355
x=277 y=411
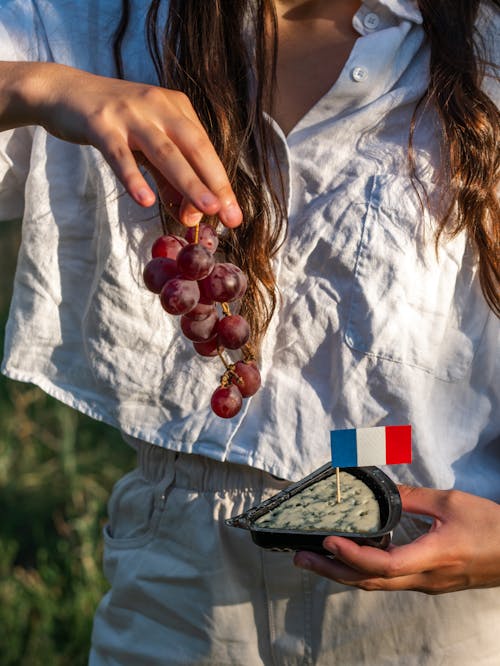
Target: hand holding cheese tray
x=360 y=502
x=446 y=559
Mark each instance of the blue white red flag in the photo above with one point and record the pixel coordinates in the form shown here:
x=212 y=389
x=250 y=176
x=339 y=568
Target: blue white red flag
x=361 y=447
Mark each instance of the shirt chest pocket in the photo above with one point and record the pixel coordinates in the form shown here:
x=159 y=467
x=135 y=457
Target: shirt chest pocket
x=408 y=304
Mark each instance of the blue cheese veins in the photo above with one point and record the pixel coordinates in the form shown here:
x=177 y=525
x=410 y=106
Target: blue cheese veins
x=316 y=508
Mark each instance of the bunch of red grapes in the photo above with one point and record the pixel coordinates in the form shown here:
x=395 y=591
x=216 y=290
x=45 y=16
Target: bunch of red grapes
x=193 y=285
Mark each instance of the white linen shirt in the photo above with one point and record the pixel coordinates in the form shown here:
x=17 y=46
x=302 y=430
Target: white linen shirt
x=373 y=328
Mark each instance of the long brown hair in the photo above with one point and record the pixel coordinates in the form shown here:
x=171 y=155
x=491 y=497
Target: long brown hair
x=229 y=93
x=470 y=124
x=205 y=51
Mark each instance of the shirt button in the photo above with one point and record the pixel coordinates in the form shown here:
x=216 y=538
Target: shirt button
x=359 y=74
x=371 y=21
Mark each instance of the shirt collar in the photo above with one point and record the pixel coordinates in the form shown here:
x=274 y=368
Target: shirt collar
x=404 y=9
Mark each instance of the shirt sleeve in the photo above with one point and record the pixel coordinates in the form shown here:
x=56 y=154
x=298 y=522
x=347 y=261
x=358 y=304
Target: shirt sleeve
x=18 y=42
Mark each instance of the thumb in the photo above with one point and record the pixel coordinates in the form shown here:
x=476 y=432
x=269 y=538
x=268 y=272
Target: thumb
x=426 y=501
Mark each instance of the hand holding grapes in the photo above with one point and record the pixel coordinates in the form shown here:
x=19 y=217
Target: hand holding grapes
x=190 y=283
x=130 y=123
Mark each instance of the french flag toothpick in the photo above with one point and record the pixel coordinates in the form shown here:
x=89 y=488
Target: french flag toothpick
x=360 y=447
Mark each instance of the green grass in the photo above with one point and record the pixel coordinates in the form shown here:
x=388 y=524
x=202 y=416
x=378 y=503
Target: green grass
x=57 y=468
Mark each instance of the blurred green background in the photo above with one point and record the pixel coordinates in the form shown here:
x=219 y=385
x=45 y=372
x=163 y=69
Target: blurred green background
x=57 y=468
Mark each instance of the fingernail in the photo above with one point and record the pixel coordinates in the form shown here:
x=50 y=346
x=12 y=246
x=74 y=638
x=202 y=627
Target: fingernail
x=303 y=562
x=233 y=215
x=193 y=219
x=145 y=196
x=209 y=199
x=330 y=547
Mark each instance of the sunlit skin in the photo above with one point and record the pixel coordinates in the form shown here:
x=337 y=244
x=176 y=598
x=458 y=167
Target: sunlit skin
x=307 y=68
x=129 y=123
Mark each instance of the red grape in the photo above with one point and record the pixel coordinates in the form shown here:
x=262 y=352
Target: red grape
x=233 y=331
x=249 y=375
x=226 y=401
x=194 y=262
x=201 y=311
x=190 y=282
x=225 y=283
x=207 y=348
x=167 y=246
x=206 y=237
x=157 y=272
x=205 y=297
x=179 y=296
x=199 y=330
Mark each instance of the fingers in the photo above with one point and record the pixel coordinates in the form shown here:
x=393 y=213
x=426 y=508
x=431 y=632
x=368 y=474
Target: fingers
x=409 y=567
x=423 y=554
x=161 y=126
x=177 y=181
x=183 y=156
x=165 y=155
x=192 y=140
x=429 y=582
x=169 y=196
x=354 y=564
x=341 y=573
x=122 y=161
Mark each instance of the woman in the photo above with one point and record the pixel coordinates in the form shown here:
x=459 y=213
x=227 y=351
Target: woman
x=380 y=139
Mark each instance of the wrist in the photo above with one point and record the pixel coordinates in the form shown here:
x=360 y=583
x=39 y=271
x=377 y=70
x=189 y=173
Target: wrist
x=24 y=92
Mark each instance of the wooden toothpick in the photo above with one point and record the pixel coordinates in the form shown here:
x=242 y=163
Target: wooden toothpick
x=337 y=476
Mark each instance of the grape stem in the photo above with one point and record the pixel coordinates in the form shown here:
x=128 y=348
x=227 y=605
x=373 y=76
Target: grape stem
x=232 y=373
x=226 y=364
x=225 y=309
x=248 y=353
x=226 y=378
x=196 y=233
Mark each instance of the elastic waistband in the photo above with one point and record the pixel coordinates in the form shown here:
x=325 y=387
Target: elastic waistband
x=202 y=474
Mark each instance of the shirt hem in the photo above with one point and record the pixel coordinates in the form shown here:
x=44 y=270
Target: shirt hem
x=221 y=454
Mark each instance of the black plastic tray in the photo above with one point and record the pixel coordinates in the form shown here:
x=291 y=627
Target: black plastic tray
x=383 y=487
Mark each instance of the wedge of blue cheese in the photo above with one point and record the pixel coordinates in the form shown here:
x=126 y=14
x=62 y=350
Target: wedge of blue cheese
x=316 y=508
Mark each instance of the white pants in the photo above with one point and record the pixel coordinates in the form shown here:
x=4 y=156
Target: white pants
x=187 y=589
